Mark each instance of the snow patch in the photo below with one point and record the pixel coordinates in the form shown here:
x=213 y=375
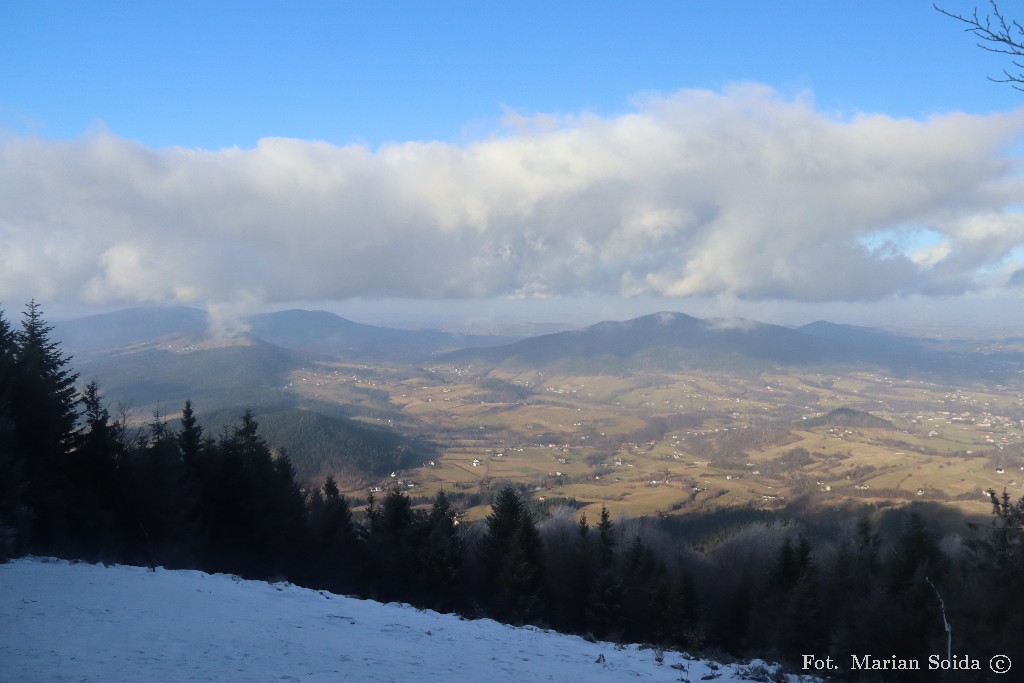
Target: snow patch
x=83 y=622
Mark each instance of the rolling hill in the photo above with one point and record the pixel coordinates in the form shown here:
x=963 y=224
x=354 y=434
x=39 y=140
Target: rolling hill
x=663 y=339
x=243 y=372
x=140 y=325
x=326 y=333
x=691 y=339
x=320 y=443
x=317 y=332
x=848 y=417
x=669 y=339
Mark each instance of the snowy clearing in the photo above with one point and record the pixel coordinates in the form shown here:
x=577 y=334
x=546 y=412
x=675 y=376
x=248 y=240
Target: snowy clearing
x=75 y=621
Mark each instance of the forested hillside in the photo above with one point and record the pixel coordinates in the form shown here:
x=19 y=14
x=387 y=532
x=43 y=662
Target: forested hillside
x=77 y=483
x=321 y=445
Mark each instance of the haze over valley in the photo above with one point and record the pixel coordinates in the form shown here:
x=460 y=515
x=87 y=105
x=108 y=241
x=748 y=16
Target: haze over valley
x=659 y=414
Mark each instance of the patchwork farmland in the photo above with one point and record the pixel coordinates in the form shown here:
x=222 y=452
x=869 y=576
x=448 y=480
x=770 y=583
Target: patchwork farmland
x=669 y=442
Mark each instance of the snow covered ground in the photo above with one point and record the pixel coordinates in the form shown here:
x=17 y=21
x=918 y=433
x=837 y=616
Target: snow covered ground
x=62 y=621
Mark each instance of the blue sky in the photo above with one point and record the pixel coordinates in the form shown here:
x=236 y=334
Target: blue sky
x=506 y=144
x=221 y=74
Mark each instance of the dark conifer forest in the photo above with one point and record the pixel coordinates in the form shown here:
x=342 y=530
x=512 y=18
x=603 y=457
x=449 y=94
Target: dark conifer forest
x=77 y=482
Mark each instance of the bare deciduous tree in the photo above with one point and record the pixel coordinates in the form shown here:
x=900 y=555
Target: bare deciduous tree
x=997 y=33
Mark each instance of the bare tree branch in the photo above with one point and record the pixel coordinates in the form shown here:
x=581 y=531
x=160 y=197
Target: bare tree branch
x=996 y=33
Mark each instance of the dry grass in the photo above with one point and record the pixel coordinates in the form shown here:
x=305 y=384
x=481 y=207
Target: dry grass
x=566 y=438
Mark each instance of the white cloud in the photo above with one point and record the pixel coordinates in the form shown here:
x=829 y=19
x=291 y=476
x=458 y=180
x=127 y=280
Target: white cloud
x=731 y=324
x=226 y=317
x=931 y=254
x=740 y=194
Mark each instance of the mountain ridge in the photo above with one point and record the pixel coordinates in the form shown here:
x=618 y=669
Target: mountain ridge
x=667 y=338
x=315 y=331
x=667 y=329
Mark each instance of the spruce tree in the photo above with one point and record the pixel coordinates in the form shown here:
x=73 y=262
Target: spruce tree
x=8 y=354
x=164 y=500
x=506 y=511
x=285 y=518
x=395 y=539
x=240 y=493
x=803 y=625
x=442 y=557
x=684 y=611
x=571 y=584
x=15 y=512
x=190 y=436
x=604 y=604
x=606 y=541
x=335 y=546
x=247 y=439
x=513 y=559
x=915 y=555
x=521 y=576
x=44 y=411
x=991 y=600
x=95 y=519
x=911 y=621
x=645 y=594
x=42 y=367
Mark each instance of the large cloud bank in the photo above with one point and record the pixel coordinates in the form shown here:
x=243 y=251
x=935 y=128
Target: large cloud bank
x=741 y=194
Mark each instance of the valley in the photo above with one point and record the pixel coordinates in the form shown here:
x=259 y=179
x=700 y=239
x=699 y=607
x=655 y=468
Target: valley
x=660 y=443
x=664 y=414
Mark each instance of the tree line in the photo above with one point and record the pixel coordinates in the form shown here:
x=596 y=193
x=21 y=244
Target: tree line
x=76 y=482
